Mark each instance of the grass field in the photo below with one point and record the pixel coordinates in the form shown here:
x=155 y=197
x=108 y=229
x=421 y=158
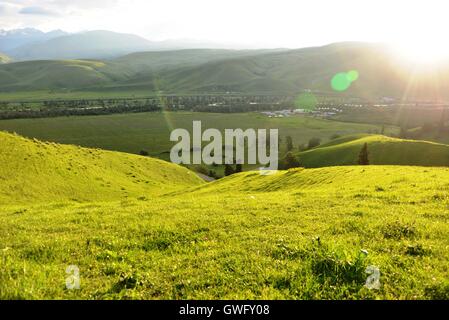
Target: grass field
x=151 y=131
x=34 y=171
x=297 y=234
x=134 y=132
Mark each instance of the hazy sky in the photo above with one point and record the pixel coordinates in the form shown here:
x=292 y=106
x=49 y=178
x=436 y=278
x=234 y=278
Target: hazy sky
x=276 y=23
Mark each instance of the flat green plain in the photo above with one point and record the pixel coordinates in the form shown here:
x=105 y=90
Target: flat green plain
x=151 y=131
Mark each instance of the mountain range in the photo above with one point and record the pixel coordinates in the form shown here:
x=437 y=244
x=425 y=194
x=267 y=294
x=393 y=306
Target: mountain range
x=13 y=39
x=91 y=44
x=33 y=44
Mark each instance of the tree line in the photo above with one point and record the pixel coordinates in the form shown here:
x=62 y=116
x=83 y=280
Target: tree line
x=58 y=112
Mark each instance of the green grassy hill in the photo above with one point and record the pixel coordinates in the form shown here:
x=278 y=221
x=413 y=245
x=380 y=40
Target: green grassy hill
x=60 y=74
x=292 y=71
x=382 y=151
x=259 y=71
x=135 y=71
x=34 y=171
x=140 y=228
x=344 y=179
x=298 y=234
x=164 y=60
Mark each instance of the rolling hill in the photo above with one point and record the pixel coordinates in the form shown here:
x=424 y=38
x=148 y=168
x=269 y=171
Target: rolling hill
x=259 y=71
x=59 y=74
x=382 y=151
x=128 y=72
x=167 y=60
x=344 y=179
x=33 y=171
x=140 y=228
x=292 y=71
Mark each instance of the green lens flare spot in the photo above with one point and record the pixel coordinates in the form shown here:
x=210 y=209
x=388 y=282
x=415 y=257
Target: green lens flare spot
x=306 y=101
x=341 y=82
x=353 y=75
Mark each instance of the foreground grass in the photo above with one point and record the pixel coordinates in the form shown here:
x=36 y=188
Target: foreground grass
x=298 y=234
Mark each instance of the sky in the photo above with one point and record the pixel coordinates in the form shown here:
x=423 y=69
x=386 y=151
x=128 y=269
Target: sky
x=259 y=23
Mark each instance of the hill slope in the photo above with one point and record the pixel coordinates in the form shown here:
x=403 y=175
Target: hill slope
x=34 y=171
x=260 y=71
x=296 y=234
x=164 y=60
x=343 y=179
x=291 y=71
x=130 y=71
x=299 y=234
x=382 y=151
x=59 y=74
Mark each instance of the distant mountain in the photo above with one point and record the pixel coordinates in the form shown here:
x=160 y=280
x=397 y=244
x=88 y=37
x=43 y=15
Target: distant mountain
x=247 y=71
x=32 y=44
x=91 y=44
x=12 y=39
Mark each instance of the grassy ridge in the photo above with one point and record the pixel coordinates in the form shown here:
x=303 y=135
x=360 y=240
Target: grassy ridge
x=383 y=151
x=137 y=72
x=35 y=171
x=347 y=178
x=210 y=71
x=60 y=74
x=165 y=60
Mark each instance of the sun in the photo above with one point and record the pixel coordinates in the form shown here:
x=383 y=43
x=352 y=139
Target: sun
x=423 y=52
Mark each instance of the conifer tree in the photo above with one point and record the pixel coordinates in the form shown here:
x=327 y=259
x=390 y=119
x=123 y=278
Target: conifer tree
x=363 y=156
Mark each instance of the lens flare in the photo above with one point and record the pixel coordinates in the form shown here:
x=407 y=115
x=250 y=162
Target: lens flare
x=353 y=75
x=343 y=80
x=306 y=101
